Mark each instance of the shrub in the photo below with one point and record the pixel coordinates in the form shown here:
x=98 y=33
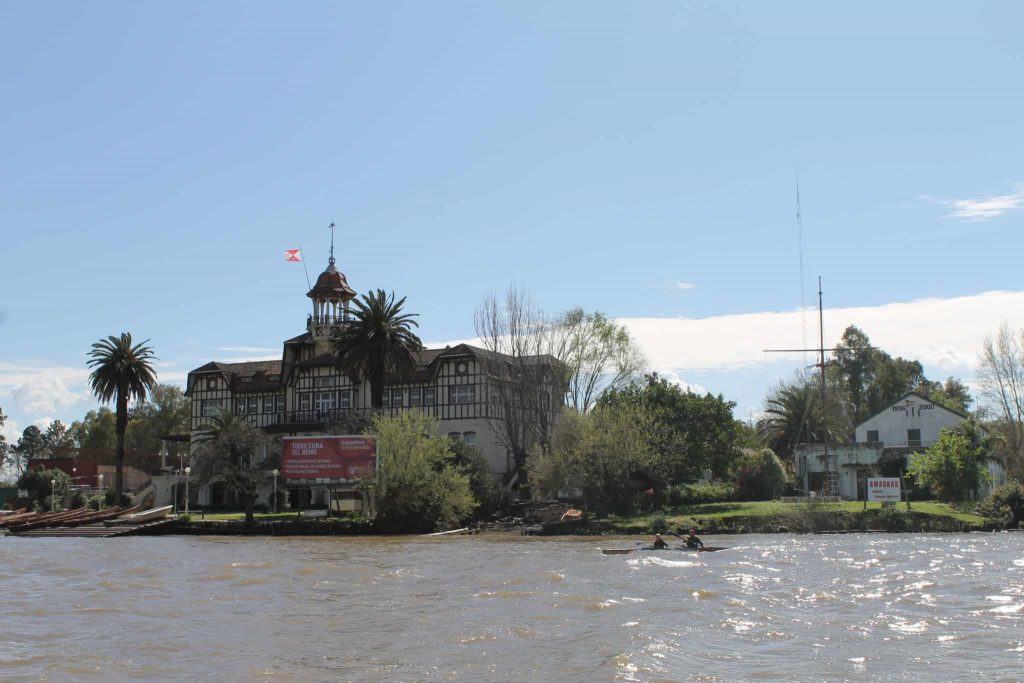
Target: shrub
x=38 y=482
x=1005 y=504
x=109 y=499
x=696 y=494
x=77 y=500
x=657 y=523
x=891 y=518
x=96 y=502
x=761 y=476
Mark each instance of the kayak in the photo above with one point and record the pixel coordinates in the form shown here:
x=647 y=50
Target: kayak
x=626 y=551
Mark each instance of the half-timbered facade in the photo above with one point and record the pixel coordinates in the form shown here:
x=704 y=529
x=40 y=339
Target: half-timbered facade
x=306 y=393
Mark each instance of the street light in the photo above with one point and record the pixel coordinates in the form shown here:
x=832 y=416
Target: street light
x=276 y=472
x=99 y=481
x=187 y=470
x=53 y=495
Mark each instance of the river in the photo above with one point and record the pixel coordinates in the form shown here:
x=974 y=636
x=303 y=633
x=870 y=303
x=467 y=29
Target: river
x=482 y=608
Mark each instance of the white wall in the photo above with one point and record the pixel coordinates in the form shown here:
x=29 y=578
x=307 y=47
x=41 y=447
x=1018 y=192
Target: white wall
x=911 y=412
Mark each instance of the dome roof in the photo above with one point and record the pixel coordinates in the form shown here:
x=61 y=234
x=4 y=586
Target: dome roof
x=331 y=285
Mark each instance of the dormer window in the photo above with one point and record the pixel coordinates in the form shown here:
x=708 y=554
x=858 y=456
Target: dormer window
x=246 y=380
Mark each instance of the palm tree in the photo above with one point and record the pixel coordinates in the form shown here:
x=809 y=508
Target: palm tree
x=794 y=414
x=239 y=454
x=378 y=340
x=121 y=372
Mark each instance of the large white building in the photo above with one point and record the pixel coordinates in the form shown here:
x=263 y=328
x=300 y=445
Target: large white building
x=306 y=394
x=908 y=425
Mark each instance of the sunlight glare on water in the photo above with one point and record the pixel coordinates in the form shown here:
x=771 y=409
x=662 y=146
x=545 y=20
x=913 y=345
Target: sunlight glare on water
x=856 y=607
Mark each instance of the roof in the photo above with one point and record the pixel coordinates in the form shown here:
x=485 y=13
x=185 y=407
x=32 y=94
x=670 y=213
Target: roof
x=904 y=397
x=331 y=285
x=253 y=376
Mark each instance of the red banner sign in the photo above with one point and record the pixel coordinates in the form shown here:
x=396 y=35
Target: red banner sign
x=329 y=457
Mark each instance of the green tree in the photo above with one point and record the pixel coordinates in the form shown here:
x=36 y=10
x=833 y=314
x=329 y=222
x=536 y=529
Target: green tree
x=598 y=353
x=794 y=413
x=952 y=467
x=57 y=435
x=31 y=446
x=167 y=412
x=379 y=340
x=37 y=481
x=954 y=394
x=3 y=441
x=121 y=371
x=233 y=451
x=761 y=476
x=614 y=454
x=420 y=487
x=482 y=483
x=702 y=429
x=97 y=429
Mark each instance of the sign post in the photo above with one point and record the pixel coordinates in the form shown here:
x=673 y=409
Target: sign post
x=884 y=489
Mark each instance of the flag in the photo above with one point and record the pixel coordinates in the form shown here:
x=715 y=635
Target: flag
x=292 y=254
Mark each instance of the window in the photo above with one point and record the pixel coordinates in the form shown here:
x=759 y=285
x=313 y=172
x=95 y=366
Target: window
x=386 y=399
x=247 y=405
x=345 y=399
x=462 y=393
x=269 y=404
x=455 y=436
x=872 y=436
x=397 y=398
x=913 y=438
x=211 y=406
x=415 y=397
x=428 y=396
x=304 y=401
x=279 y=404
x=469 y=438
x=273 y=378
x=245 y=380
x=325 y=381
x=325 y=400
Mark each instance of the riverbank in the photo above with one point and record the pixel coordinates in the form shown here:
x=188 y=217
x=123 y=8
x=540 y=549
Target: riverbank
x=709 y=518
x=778 y=517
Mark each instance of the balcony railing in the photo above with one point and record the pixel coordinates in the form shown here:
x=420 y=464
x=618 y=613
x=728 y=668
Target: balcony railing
x=315 y=417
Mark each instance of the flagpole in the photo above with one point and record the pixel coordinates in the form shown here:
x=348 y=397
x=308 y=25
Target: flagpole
x=308 y=286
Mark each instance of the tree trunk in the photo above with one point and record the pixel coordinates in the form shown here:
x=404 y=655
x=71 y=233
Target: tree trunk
x=377 y=389
x=122 y=428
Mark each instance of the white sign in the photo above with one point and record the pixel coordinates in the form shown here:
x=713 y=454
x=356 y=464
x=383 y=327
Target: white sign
x=884 y=489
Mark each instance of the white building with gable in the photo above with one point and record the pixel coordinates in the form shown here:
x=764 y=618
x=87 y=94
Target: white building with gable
x=913 y=421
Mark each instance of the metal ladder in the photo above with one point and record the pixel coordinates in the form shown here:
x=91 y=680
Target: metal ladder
x=831 y=485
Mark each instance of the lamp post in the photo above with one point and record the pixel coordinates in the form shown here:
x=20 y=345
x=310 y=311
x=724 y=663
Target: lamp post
x=99 y=481
x=276 y=472
x=187 y=470
x=53 y=495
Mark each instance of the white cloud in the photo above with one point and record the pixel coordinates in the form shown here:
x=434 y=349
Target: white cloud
x=43 y=423
x=682 y=285
x=11 y=431
x=977 y=210
x=47 y=394
x=674 y=378
x=942 y=333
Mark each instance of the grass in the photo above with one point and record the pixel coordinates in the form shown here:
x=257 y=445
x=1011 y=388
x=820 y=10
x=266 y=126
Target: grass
x=687 y=515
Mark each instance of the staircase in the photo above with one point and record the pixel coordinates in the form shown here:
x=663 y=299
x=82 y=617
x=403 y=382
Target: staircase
x=831 y=485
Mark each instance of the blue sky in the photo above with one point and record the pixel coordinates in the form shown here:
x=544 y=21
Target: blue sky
x=634 y=158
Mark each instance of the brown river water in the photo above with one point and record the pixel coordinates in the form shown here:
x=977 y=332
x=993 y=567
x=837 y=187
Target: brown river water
x=489 y=608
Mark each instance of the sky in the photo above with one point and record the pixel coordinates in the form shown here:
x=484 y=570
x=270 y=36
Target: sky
x=639 y=159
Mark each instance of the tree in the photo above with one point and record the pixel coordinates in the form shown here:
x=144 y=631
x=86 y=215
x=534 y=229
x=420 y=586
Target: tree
x=122 y=371
x=420 y=487
x=794 y=413
x=31 y=446
x=1001 y=376
x=599 y=355
x=235 y=452
x=57 y=435
x=617 y=454
x=379 y=340
x=525 y=380
x=167 y=412
x=38 y=482
x=702 y=429
x=761 y=476
x=3 y=441
x=954 y=394
x=97 y=429
x=952 y=467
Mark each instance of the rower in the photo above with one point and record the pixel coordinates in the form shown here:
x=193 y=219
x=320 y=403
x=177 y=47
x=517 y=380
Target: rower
x=659 y=542
x=692 y=541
